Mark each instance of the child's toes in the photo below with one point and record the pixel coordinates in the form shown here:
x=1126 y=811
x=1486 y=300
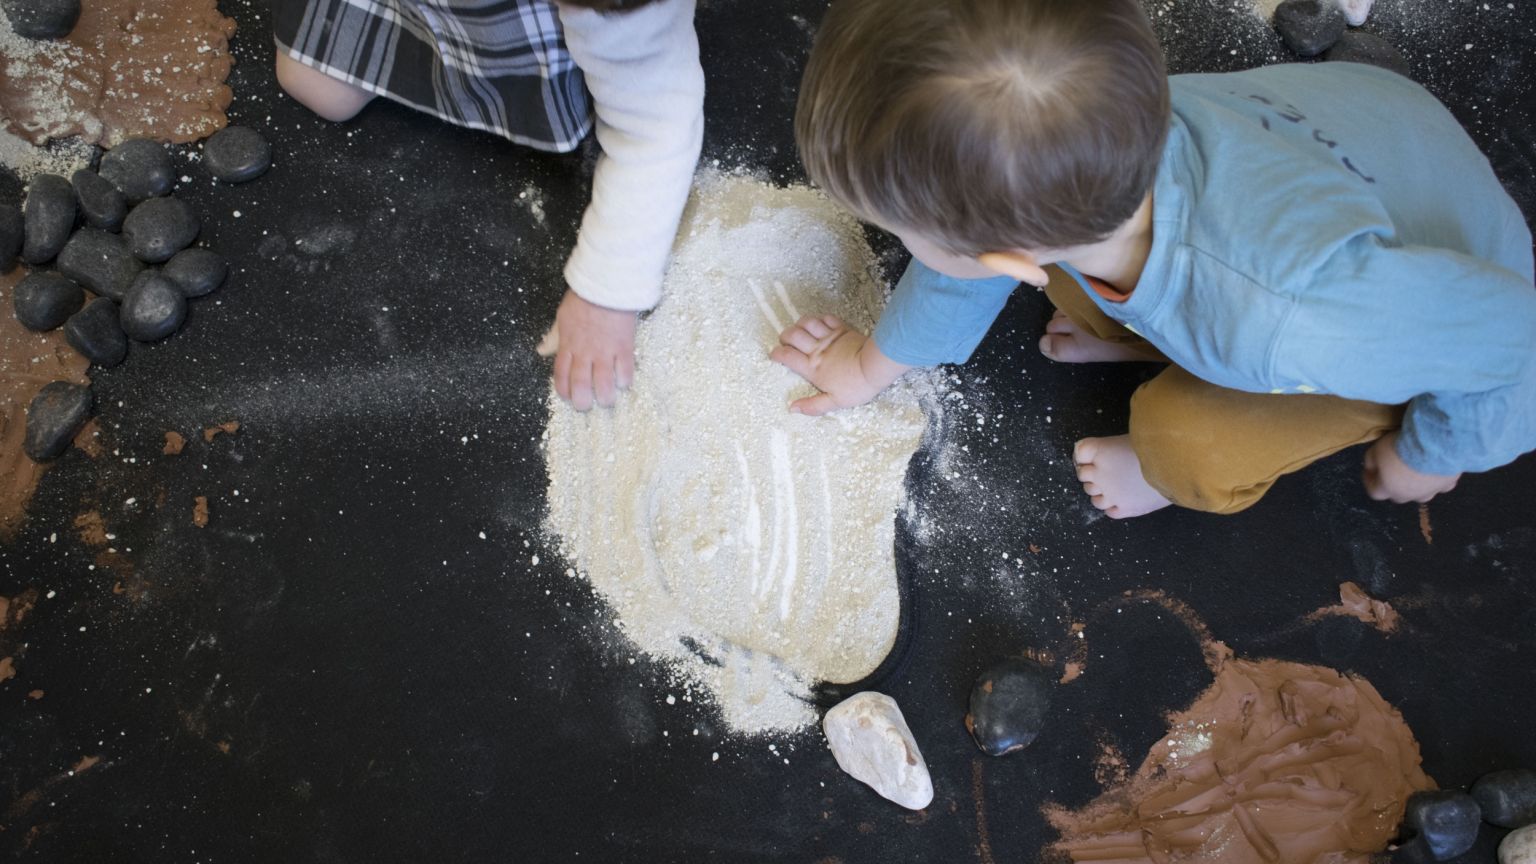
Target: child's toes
x=1048 y=347
x=1084 y=451
x=1060 y=323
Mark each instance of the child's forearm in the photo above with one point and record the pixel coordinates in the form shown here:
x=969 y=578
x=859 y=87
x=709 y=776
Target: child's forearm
x=642 y=69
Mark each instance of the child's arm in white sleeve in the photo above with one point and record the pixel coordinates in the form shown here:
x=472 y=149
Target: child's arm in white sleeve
x=642 y=68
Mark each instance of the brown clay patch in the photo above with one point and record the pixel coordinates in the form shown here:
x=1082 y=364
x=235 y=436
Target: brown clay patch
x=27 y=361
x=227 y=428
x=128 y=69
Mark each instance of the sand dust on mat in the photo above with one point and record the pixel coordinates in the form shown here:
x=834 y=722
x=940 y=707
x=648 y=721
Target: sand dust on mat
x=128 y=69
x=747 y=547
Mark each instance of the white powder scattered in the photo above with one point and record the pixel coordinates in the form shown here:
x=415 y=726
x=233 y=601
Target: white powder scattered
x=532 y=198
x=749 y=548
x=53 y=93
x=1265 y=8
x=27 y=161
x=1355 y=10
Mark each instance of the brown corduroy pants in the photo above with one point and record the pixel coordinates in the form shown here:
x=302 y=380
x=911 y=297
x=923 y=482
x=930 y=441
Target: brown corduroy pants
x=1218 y=450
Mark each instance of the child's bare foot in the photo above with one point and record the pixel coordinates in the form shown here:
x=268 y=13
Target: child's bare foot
x=1065 y=342
x=1111 y=475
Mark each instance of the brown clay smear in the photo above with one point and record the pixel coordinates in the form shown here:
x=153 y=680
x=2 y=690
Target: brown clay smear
x=13 y=610
x=130 y=68
x=229 y=427
x=174 y=444
x=27 y=361
x=200 y=511
x=92 y=528
x=1354 y=602
x=88 y=439
x=1275 y=762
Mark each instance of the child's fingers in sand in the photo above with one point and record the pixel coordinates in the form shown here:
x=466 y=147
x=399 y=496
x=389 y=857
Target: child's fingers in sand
x=814 y=406
x=581 y=384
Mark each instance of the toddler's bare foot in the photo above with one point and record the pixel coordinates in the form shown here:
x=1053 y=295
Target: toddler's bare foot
x=1111 y=475
x=1065 y=342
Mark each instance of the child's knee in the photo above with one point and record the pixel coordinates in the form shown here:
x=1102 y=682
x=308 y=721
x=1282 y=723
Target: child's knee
x=1209 y=448
x=1178 y=435
x=328 y=97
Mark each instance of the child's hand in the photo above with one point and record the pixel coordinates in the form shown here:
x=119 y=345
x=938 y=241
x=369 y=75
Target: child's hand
x=594 y=350
x=843 y=363
x=1388 y=478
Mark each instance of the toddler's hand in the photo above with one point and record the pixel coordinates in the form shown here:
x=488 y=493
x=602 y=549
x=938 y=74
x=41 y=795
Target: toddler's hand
x=594 y=350
x=1388 y=478
x=843 y=363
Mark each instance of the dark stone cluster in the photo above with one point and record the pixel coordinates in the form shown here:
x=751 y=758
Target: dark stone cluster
x=92 y=243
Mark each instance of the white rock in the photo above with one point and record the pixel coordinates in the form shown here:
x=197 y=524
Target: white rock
x=1519 y=847
x=871 y=741
x=1356 y=10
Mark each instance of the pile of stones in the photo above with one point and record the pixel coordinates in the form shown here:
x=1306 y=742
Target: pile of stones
x=1444 y=824
x=1325 y=27
x=120 y=235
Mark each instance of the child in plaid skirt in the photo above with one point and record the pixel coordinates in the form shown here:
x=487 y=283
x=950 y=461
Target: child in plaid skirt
x=541 y=74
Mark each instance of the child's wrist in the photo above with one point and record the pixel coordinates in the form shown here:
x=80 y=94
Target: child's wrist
x=879 y=370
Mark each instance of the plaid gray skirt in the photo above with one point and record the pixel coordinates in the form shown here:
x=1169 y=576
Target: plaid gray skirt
x=496 y=65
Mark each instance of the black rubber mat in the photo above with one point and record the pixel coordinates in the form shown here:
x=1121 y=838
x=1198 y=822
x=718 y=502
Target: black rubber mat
x=339 y=669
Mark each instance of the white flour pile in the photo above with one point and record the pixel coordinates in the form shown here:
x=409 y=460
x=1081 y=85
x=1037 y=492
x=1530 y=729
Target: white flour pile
x=748 y=548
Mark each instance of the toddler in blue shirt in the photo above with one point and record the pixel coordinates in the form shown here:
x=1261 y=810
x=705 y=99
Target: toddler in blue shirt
x=1319 y=253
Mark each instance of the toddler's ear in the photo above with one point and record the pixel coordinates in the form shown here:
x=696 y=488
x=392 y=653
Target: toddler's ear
x=1017 y=263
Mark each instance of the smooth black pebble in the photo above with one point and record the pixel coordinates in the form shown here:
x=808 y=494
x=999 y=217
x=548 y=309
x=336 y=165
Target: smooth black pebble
x=1309 y=27
x=1357 y=46
x=100 y=261
x=10 y=236
x=42 y=19
x=153 y=309
x=1415 y=851
x=97 y=334
x=46 y=300
x=1508 y=798
x=1446 y=821
x=139 y=168
x=47 y=218
x=196 y=271
x=56 y=413
x=236 y=154
x=100 y=202
x=1008 y=705
x=159 y=228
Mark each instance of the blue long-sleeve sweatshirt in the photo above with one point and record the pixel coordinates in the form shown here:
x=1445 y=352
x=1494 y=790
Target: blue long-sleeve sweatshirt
x=1323 y=228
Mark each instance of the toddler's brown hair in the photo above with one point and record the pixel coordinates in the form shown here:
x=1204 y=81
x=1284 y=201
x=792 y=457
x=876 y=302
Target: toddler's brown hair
x=986 y=125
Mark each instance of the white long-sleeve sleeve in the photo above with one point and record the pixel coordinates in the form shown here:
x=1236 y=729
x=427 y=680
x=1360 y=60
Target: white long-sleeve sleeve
x=643 y=71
